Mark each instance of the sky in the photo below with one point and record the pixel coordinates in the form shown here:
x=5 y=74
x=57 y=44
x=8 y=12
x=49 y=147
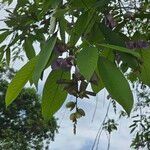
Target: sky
x=86 y=129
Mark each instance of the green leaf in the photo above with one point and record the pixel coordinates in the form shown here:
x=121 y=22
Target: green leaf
x=95 y=35
x=87 y=61
x=8 y=55
x=53 y=93
x=130 y=60
x=60 y=12
x=116 y=83
x=53 y=57
x=2 y=52
x=108 y=54
x=121 y=49
x=19 y=81
x=3 y=36
x=87 y=4
x=110 y=36
x=114 y=38
x=29 y=50
x=79 y=28
x=1 y=56
x=43 y=58
x=145 y=68
x=46 y=5
x=101 y=4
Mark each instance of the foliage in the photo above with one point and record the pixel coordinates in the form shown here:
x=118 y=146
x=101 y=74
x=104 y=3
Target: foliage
x=99 y=39
x=22 y=125
x=141 y=118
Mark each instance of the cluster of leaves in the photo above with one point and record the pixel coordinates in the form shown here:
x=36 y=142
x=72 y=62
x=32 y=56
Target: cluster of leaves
x=89 y=36
x=110 y=125
x=22 y=125
x=141 y=118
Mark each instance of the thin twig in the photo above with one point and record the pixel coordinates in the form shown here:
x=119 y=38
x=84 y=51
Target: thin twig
x=95 y=108
x=100 y=129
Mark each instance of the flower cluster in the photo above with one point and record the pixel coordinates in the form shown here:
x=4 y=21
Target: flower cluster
x=63 y=63
x=60 y=48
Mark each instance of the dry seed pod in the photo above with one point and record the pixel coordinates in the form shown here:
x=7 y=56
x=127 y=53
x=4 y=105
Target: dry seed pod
x=70 y=105
x=73 y=117
x=81 y=111
x=78 y=115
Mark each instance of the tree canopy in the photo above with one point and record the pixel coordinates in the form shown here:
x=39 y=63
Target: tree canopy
x=102 y=43
x=22 y=125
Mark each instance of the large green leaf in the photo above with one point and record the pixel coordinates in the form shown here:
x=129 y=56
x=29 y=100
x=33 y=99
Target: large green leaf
x=145 y=69
x=116 y=83
x=87 y=4
x=95 y=35
x=121 y=49
x=87 y=61
x=19 y=81
x=43 y=58
x=114 y=38
x=79 y=27
x=111 y=37
x=53 y=93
